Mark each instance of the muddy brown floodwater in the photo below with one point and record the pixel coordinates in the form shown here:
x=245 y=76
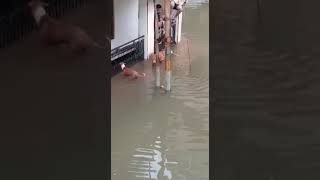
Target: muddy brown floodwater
x=157 y=135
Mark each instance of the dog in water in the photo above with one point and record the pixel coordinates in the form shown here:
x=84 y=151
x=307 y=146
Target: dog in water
x=161 y=56
x=130 y=72
x=55 y=32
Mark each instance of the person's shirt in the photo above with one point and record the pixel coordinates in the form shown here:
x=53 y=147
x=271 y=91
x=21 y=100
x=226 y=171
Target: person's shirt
x=176 y=9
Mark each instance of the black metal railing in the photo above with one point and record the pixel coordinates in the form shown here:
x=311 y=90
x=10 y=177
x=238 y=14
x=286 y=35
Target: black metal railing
x=16 y=24
x=129 y=53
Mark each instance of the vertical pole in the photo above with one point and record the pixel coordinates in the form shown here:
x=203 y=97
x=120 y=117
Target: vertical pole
x=179 y=25
x=157 y=46
x=167 y=9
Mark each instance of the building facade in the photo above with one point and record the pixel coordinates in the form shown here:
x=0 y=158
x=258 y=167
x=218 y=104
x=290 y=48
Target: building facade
x=134 y=22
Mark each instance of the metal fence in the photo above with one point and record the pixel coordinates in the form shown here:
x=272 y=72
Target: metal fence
x=128 y=53
x=15 y=25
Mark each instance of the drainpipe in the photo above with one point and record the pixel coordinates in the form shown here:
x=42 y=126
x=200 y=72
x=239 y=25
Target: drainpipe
x=167 y=9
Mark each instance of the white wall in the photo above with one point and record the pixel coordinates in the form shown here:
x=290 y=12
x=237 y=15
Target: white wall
x=126 y=21
x=143 y=10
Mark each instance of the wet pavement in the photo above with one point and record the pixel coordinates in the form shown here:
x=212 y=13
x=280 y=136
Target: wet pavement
x=266 y=91
x=158 y=135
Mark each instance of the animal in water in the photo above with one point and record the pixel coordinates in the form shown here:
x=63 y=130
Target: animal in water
x=55 y=32
x=161 y=56
x=130 y=72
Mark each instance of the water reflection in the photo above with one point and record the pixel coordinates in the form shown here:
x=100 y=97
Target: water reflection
x=151 y=162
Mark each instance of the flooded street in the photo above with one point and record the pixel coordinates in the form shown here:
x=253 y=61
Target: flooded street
x=158 y=135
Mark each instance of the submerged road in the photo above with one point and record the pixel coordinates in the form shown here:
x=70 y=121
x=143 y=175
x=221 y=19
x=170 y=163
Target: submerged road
x=266 y=92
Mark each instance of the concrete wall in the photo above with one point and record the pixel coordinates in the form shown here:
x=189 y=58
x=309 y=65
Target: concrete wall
x=125 y=21
x=134 y=18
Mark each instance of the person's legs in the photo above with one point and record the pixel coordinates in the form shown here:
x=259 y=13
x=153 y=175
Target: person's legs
x=173 y=29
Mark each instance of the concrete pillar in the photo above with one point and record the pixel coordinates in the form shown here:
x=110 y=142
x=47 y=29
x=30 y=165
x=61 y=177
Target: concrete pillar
x=150 y=24
x=179 y=25
x=146 y=25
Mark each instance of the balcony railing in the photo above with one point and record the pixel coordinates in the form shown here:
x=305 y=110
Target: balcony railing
x=129 y=53
x=18 y=23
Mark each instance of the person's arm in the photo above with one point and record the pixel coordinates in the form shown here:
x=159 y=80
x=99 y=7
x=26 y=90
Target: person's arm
x=177 y=9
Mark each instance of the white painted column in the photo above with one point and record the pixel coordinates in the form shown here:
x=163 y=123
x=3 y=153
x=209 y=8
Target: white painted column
x=179 y=25
x=150 y=28
x=143 y=24
x=146 y=25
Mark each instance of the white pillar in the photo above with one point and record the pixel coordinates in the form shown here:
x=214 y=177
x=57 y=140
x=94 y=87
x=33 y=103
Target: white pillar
x=143 y=24
x=179 y=25
x=167 y=9
x=150 y=28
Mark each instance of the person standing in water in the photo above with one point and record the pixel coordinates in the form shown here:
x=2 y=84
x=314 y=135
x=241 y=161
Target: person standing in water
x=175 y=12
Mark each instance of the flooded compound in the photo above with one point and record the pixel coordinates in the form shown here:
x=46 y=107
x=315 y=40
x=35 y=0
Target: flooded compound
x=159 y=135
